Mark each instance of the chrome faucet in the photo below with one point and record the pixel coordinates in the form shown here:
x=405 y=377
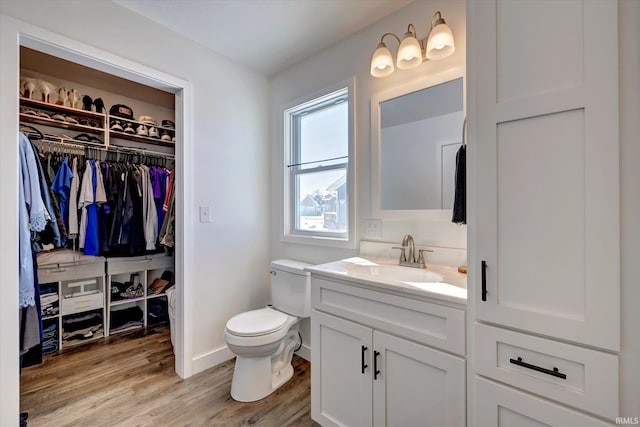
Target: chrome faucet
x=409 y=259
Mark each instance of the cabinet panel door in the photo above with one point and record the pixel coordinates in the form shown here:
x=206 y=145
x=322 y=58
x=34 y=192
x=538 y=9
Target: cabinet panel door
x=501 y=406
x=544 y=144
x=340 y=390
x=417 y=385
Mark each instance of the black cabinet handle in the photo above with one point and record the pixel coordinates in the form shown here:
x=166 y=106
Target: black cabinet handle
x=484 y=280
x=376 y=371
x=362 y=364
x=553 y=372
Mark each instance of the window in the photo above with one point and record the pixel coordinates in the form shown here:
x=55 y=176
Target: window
x=318 y=168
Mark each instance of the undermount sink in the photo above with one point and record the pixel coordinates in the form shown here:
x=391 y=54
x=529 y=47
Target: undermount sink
x=438 y=280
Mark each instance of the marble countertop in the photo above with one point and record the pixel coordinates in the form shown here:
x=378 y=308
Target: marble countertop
x=436 y=281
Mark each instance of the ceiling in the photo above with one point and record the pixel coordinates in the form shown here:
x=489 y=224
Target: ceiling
x=265 y=35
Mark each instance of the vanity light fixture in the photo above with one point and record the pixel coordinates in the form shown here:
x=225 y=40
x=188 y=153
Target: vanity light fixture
x=412 y=52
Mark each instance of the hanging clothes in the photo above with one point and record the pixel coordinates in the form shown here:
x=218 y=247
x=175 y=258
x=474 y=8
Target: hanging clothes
x=167 y=233
x=32 y=217
x=91 y=195
x=149 y=212
x=62 y=188
x=74 y=186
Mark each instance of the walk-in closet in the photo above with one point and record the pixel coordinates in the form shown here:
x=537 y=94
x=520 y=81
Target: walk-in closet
x=97 y=232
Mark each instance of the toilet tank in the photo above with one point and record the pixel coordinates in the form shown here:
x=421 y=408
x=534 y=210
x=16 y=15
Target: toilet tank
x=291 y=287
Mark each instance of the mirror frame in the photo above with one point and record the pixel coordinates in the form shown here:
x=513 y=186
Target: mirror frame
x=376 y=160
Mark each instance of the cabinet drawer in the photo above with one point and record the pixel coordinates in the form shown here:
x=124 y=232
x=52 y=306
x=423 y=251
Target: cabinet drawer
x=421 y=321
x=130 y=265
x=585 y=379
x=498 y=405
x=82 y=303
x=60 y=272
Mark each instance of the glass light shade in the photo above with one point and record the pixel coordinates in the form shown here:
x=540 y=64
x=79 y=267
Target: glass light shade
x=440 y=43
x=381 y=62
x=409 y=53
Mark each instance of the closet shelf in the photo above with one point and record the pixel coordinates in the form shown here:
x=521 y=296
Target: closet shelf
x=137 y=138
x=80 y=342
x=130 y=328
x=53 y=316
x=152 y=296
x=59 y=124
x=125 y=301
x=26 y=102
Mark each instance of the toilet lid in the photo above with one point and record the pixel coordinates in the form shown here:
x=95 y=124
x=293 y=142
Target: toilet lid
x=256 y=322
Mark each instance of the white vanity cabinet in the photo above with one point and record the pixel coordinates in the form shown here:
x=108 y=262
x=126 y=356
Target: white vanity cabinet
x=373 y=362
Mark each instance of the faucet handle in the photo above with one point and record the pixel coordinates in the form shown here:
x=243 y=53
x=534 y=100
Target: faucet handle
x=403 y=256
x=421 y=260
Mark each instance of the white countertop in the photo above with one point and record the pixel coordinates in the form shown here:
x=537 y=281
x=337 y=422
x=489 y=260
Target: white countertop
x=437 y=281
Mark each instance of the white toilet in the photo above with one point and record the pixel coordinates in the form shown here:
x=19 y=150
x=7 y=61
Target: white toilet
x=264 y=340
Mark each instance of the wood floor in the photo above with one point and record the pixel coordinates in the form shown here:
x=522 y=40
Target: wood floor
x=129 y=381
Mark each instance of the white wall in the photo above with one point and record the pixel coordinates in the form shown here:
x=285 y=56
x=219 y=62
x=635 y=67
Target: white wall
x=230 y=157
x=352 y=57
x=348 y=58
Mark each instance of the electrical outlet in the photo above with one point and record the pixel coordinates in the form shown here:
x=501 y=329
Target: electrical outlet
x=373 y=229
x=205 y=214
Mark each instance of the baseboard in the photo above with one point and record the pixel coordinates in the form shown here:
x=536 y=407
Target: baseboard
x=209 y=360
x=305 y=352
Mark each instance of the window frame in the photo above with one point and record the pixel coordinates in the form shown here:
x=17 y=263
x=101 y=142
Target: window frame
x=319 y=100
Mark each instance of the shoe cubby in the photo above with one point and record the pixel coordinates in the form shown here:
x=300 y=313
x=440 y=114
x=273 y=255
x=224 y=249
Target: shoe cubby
x=72 y=297
x=129 y=282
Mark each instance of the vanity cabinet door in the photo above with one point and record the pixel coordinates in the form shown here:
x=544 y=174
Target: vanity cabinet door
x=499 y=405
x=341 y=372
x=544 y=162
x=416 y=385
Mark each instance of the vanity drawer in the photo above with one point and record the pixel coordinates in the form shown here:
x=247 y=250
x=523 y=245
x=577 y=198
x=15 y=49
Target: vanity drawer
x=56 y=273
x=499 y=405
x=576 y=376
x=431 y=324
x=82 y=303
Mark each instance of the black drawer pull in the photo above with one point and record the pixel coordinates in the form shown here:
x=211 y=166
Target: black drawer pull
x=554 y=373
x=362 y=364
x=376 y=371
x=484 y=280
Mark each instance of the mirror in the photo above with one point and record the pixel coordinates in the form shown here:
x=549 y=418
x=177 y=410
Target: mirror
x=418 y=135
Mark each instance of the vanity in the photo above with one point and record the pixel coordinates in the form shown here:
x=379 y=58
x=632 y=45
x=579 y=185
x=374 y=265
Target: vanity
x=388 y=344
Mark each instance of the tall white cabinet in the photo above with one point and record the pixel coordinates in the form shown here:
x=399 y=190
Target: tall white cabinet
x=544 y=156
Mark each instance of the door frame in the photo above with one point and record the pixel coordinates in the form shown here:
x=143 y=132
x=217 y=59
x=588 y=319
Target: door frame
x=13 y=34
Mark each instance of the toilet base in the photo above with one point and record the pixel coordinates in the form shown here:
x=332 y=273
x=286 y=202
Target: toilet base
x=253 y=380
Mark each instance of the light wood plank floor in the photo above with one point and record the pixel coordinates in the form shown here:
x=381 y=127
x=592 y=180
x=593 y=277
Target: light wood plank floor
x=129 y=381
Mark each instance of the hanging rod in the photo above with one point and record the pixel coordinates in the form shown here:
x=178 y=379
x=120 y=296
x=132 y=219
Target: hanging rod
x=141 y=151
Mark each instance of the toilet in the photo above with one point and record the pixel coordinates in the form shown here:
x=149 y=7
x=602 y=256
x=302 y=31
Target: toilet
x=264 y=340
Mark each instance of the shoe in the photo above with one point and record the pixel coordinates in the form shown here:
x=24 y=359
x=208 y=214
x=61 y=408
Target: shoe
x=153 y=132
x=29 y=88
x=43 y=114
x=74 y=98
x=59 y=117
x=71 y=120
x=29 y=112
x=45 y=90
x=165 y=136
x=62 y=96
x=87 y=102
x=99 y=104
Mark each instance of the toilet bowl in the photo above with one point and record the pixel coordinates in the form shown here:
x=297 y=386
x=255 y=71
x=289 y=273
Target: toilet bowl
x=264 y=340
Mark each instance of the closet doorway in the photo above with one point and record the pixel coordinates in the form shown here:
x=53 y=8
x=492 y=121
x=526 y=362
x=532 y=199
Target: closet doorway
x=16 y=35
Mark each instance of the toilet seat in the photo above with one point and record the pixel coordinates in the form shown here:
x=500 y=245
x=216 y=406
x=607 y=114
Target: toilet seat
x=255 y=323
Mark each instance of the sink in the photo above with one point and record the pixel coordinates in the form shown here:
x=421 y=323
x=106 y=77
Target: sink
x=437 y=280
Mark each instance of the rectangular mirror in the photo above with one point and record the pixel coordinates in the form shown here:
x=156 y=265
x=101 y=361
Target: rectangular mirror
x=417 y=131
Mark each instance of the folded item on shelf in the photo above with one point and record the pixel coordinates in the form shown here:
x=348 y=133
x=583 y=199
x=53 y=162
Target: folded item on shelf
x=124 y=316
x=80 y=321
x=121 y=110
x=82 y=334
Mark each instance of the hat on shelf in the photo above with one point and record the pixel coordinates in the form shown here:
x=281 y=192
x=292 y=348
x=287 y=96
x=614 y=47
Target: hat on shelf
x=121 y=110
x=128 y=128
x=147 y=120
x=168 y=124
x=142 y=130
x=115 y=125
x=153 y=132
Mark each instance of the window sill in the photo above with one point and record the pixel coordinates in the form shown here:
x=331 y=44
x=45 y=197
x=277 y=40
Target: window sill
x=332 y=242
